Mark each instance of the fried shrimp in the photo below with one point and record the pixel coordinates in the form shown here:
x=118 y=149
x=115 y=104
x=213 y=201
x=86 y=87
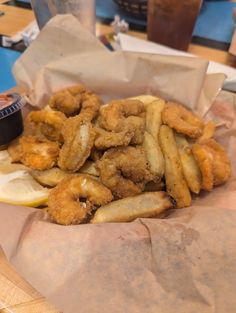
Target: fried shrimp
x=208 y=132
x=79 y=138
x=76 y=99
x=38 y=154
x=68 y=100
x=90 y=105
x=49 y=178
x=114 y=116
x=74 y=198
x=50 y=123
x=107 y=139
x=204 y=159
x=182 y=120
x=221 y=164
x=124 y=171
x=121 y=119
x=213 y=162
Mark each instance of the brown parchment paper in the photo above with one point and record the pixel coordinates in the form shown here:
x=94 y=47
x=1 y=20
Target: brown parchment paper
x=16 y=295
x=183 y=263
x=64 y=54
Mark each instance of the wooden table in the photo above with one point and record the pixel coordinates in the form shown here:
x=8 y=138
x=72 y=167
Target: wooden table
x=207 y=53
x=14 y=20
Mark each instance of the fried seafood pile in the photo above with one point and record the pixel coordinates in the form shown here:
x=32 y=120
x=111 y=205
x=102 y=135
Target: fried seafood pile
x=141 y=151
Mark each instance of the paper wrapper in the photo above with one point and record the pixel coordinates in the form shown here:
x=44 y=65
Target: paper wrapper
x=183 y=263
x=16 y=295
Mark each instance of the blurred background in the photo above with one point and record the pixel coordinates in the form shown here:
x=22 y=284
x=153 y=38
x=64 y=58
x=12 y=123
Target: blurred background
x=203 y=26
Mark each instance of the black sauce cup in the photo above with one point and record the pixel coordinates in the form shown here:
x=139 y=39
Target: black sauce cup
x=11 y=121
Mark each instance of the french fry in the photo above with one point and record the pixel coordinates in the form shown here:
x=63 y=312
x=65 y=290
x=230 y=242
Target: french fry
x=175 y=183
x=153 y=117
x=148 y=204
x=49 y=178
x=154 y=156
x=146 y=99
x=190 y=167
x=151 y=137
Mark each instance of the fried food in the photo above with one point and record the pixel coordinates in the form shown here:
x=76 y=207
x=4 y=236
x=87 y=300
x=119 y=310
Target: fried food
x=182 y=120
x=74 y=100
x=49 y=178
x=151 y=138
x=204 y=160
x=68 y=100
x=106 y=139
x=120 y=149
x=121 y=122
x=148 y=204
x=38 y=154
x=175 y=183
x=153 y=117
x=89 y=168
x=114 y=116
x=90 y=105
x=137 y=124
x=124 y=171
x=191 y=170
x=50 y=123
x=78 y=135
x=15 y=151
x=213 y=163
x=146 y=99
x=221 y=163
x=154 y=156
x=74 y=198
x=208 y=132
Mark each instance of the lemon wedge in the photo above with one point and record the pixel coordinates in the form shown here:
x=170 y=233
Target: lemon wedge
x=6 y=166
x=20 y=188
x=5 y=156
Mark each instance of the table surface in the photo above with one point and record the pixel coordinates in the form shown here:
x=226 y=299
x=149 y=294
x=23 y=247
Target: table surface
x=207 y=53
x=16 y=19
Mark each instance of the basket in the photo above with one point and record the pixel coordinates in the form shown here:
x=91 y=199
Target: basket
x=135 y=8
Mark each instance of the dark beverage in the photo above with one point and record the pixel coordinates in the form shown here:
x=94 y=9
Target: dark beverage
x=171 y=22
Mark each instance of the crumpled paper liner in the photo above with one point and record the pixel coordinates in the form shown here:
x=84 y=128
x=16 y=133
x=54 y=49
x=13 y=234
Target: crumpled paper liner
x=65 y=54
x=16 y=295
x=183 y=263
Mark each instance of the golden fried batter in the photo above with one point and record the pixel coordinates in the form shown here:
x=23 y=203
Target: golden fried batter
x=76 y=99
x=73 y=199
x=38 y=154
x=122 y=122
x=107 y=139
x=79 y=138
x=50 y=123
x=221 y=164
x=182 y=120
x=124 y=171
